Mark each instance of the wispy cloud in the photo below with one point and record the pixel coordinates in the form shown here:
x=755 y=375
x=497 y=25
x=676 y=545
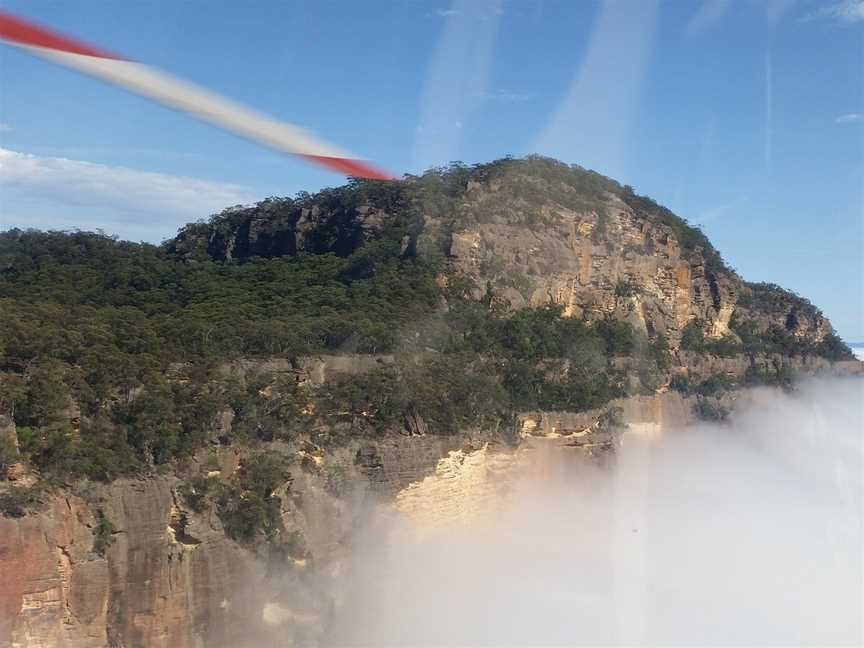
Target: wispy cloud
x=709 y=14
x=120 y=199
x=507 y=96
x=457 y=79
x=473 y=10
x=776 y=10
x=594 y=120
x=849 y=118
x=720 y=210
x=5 y=128
x=769 y=111
x=845 y=12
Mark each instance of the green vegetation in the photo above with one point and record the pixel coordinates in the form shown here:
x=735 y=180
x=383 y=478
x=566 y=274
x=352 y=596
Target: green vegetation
x=772 y=299
x=713 y=385
x=777 y=375
x=133 y=336
x=778 y=340
x=18 y=501
x=710 y=411
x=103 y=534
x=625 y=289
x=119 y=358
x=110 y=362
x=708 y=392
x=766 y=299
x=247 y=505
x=488 y=365
x=8 y=454
x=692 y=240
x=598 y=234
x=195 y=492
x=693 y=339
x=612 y=418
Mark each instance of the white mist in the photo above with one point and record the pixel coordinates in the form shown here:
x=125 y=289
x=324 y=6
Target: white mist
x=744 y=534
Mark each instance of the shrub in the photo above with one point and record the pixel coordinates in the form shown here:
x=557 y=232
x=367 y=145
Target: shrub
x=18 y=501
x=715 y=384
x=660 y=353
x=693 y=339
x=611 y=419
x=599 y=233
x=103 y=534
x=195 y=492
x=8 y=454
x=625 y=289
x=248 y=506
x=779 y=375
x=682 y=384
x=724 y=347
x=245 y=514
x=708 y=411
x=833 y=348
x=693 y=336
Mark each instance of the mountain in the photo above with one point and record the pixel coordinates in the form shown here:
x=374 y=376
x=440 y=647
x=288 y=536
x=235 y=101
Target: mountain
x=177 y=421
x=529 y=233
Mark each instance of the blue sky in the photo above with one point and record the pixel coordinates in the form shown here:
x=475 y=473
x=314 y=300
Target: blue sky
x=744 y=116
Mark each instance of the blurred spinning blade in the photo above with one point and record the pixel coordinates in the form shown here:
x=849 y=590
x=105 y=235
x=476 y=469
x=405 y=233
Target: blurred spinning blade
x=203 y=104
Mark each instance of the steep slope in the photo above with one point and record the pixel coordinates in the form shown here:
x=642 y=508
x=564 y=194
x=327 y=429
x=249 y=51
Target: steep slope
x=191 y=434
x=529 y=232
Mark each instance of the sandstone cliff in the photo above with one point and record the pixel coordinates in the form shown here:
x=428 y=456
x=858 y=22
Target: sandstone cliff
x=168 y=576
x=136 y=562
x=527 y=232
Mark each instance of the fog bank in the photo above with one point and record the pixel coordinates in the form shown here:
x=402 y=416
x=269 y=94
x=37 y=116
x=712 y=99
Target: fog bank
x=749 y=533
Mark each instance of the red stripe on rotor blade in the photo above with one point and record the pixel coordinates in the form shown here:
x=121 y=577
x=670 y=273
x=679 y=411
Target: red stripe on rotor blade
x=21 y=31
x=356 y=168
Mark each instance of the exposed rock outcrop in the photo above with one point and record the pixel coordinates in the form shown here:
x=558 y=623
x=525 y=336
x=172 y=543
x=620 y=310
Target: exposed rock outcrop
x=134 y=564
x=170 y=577
x=282 y=227
x=528 y=232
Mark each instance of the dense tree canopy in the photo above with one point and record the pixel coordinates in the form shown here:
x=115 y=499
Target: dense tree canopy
x=112 y=354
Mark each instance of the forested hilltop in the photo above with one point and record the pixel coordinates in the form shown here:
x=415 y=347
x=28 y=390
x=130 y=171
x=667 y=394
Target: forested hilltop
x=522 y=284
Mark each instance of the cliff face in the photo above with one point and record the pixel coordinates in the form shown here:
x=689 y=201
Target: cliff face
x=531 y=237
x=282 y=227
x=528 y=233
x=524 y=233
x=605 y=261
x=153 y=587
x=170 y=577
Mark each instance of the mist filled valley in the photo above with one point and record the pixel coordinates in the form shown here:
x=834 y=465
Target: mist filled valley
x=510 y=403
x=440 y=323
x=747 y=533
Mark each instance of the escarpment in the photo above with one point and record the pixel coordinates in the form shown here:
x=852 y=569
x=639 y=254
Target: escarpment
x=527 y=232
x=192 y=434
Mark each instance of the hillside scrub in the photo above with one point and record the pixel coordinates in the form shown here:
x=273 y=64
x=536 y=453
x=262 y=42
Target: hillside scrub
x=110 y=350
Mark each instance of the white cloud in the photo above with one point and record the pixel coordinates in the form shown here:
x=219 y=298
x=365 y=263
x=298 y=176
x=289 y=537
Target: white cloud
x=709 y=14
x=595 y=119
x=5 y=128
x=849 y=118
x=744 y=534
x=117 y=198
x=844 y=11
x=456 y=80
x=472 y=10
x=720 y=210
x=507 y=96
